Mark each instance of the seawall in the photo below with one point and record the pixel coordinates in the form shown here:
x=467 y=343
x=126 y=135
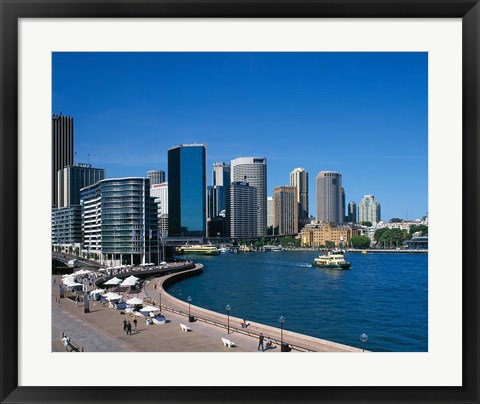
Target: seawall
x=298 y=342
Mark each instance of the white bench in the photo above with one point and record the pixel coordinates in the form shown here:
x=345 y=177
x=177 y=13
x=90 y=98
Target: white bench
x=185 y=328
x=227 y=342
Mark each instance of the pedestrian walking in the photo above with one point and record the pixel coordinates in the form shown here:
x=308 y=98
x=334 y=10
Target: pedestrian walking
x=125 y=324
x=260 y=343
x=129 y=328
x=65 y=341
x=135 y=324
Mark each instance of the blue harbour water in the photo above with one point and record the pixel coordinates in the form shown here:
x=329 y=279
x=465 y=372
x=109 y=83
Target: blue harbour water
x=383 y=295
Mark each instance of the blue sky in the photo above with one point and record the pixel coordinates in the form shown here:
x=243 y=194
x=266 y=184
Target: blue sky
x=363 y=115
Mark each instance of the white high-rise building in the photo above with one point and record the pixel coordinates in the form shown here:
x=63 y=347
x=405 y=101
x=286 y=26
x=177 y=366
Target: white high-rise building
x=160 y=191
x=369 y=210
x=253 y=170
x=329 y=197
x=299 y=180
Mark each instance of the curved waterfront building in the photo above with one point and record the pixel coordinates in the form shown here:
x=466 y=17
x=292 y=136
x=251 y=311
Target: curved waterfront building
x=329 y=197
x=119 y=220
x=253 y=170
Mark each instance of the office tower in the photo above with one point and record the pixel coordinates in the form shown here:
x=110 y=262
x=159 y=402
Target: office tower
x=343 y=205
x=329 y=197
x=160 y=192
x=242 y=214
x=221 y=174
x=73 y=178
x=286 y=212
x=118 y=232
x=352 y=212
x=253 y=170
x=299 y=180
x=156 y=177
x=270 y=212
x=217 y=201
x=217 y=193
x=187 y=188
x=62 y=149
x=369 y=210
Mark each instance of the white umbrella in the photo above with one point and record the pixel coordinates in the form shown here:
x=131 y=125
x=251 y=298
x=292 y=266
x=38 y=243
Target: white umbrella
x=72 y=284
x=130 y=281
x=112 y=296
x=149 y=308
x=135 y=300
x=113 y=281
x=97 y=292
x=70 y=281
x=83 y=272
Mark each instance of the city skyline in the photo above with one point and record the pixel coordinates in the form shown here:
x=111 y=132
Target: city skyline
x=362 y=115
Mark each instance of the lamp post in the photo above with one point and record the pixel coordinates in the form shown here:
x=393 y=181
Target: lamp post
x=160 y=300
x=164 y=237
x=189 y=300
x=228 y=308
x=363 y=339
x=282 y=321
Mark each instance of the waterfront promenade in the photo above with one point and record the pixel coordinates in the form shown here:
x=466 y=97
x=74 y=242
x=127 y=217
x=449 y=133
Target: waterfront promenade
x=101 y=330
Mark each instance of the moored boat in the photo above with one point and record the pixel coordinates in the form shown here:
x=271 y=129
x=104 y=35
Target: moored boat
x=199 y=249
x=331 y=261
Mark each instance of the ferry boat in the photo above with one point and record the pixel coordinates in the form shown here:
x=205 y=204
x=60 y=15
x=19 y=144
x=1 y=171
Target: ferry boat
x=199 y=249
x=331 y=261
x=270 y=248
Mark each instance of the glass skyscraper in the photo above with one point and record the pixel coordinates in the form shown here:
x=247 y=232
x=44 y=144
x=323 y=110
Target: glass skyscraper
x=187 y=187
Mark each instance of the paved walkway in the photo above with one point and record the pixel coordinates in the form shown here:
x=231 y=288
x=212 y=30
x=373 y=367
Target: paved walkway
x=101 y=330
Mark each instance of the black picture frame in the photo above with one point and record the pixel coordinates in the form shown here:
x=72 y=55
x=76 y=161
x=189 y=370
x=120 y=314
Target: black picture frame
x=11 y=11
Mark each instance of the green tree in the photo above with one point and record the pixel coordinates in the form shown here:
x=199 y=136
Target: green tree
x=360 y=242
x=393 y=238
x=329 y=244
x=396 y=220
x=420 y=227
x=368 y=224
x=379 y=234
